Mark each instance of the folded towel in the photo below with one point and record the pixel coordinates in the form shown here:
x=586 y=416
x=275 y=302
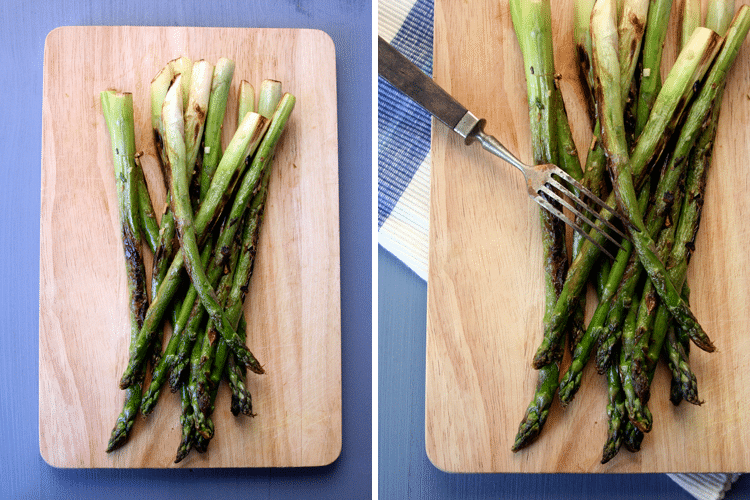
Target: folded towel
x=404 y=173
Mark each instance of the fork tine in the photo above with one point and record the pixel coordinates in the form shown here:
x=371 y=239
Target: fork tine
x=552 y=194
x=570 y=180
x=560 y=215
x=580 y=203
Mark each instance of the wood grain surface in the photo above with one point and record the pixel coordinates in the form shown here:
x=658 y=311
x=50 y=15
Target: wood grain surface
x=293 y=308
x=485 y=300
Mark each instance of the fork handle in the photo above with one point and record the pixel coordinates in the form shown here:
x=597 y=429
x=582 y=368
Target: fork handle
x=490 y=143
x=422 y=89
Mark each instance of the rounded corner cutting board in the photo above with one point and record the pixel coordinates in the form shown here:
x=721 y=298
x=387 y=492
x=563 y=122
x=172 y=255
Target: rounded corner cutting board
x=293 y=308
x=485 y=300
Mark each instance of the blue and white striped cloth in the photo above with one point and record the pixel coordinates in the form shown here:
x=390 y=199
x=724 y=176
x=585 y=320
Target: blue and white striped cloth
x=404 y=172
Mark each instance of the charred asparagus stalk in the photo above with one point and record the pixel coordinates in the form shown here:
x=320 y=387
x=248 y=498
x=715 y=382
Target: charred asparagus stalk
x=532 y=23
x=117 y=108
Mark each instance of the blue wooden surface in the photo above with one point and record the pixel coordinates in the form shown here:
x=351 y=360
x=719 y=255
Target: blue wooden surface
x=404 y=469
x=23 y=28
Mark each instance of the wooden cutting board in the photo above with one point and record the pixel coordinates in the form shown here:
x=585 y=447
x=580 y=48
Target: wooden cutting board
x=485 y=300
x=293 y=307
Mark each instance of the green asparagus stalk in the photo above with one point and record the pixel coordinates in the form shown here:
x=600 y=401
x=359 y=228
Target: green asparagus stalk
x=158 y=89
x=653 y=43
x=571 y=164
x=186 y=424
x=269 y=97
x=616 y=416
x=700 y=159
x=164 y=251
x=146 y=214
x=118 y=114
x=245 y=100
x=691 y=19
x=647 y=307
x=244 y=142
x=183 y=66
x=222 y=79
x=582 y=40
x=638 y=413
x=192 y=384
x=630 y=32
x=241 y=398
x=532 y=23
x=684 y=383
x=719 y=15
x=189 y=335
x=195 y=112
x=172 y=115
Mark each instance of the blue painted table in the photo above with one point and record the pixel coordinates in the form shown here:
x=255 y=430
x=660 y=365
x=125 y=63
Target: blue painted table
x=23 y=28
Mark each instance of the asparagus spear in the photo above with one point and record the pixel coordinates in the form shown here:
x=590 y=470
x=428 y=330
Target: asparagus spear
x=118 y=114
x=158 y=90
x=195 y=112
x=241 y=398
x=684 y=383
x=582 y=40
x=532 y=23
x=616 y=416
x=630 y=32
x=653 y=42
x=700 y=159
x=146 y=214
x=571 y=164
x=172 y=115
x=719 y=15
x=245 y=100
x=638 y=413
x=222 y=79
x=270 y=104
x=186 y=424
x=691 y=19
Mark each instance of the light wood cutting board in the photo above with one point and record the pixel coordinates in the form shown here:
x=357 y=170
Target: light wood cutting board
x=485 y=300
x=293 y=308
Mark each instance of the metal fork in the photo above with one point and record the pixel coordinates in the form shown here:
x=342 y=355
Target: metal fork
x=545 y=183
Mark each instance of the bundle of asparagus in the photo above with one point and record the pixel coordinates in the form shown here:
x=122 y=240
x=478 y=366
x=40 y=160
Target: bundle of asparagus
x=215 y=211
x=654 y=137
